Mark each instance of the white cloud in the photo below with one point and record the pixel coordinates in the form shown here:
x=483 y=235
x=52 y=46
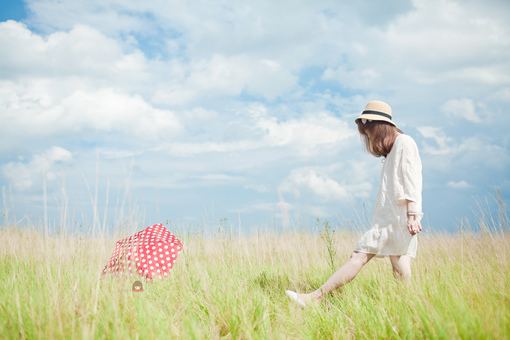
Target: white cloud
x=458 y=184
x=462 y=108
x=82 y=51
x=23 y=175
x=190 y=149
x=352 y=78
x=445 y=44
x=76 y=81
x=306 y=136
x=466 y=152
x=377 y=43
x=30 y=107
x=177 y=80
x=303 y=181
x=220 y=76
x=319 y=184
x=501 y=95
x=443 y=143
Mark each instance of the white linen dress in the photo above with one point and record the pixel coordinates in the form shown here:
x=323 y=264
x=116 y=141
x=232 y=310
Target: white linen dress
x=401 y=180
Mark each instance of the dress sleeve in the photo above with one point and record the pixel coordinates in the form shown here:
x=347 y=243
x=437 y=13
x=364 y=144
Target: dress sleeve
x=412 y=173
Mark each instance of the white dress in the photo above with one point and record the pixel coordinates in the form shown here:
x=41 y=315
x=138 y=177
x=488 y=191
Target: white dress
x=401 y=180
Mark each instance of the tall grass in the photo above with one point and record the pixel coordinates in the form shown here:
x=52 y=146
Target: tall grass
x=233 y=286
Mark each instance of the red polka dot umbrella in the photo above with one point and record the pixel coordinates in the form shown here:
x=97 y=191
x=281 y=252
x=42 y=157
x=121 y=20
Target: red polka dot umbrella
x=150 y=252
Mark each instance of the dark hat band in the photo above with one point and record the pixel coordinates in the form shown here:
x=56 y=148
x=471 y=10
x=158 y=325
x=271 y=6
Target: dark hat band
x=370 y=112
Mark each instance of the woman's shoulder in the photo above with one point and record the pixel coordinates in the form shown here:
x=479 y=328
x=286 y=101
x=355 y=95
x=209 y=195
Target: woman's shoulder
x=405 y=140
x=407 y=145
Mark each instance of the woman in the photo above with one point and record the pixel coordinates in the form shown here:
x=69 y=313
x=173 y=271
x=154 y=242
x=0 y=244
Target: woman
x=397 y=213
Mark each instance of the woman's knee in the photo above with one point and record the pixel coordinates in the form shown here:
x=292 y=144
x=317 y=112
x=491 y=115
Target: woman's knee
x=360 y=258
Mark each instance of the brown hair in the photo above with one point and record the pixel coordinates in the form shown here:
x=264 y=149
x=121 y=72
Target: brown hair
x=383 y=136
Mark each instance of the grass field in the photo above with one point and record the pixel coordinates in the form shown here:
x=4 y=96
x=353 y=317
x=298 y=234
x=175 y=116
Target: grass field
x=233 y=287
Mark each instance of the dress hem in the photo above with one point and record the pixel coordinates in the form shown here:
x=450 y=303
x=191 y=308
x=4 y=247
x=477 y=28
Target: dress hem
x=381 y=255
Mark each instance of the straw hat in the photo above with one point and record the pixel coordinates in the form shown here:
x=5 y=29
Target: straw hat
x=377 y=110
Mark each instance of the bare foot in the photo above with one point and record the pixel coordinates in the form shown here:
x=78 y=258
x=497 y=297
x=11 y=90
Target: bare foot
x=303 y=300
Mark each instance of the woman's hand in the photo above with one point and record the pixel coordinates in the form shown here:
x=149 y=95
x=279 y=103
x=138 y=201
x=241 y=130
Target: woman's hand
x=413 y=224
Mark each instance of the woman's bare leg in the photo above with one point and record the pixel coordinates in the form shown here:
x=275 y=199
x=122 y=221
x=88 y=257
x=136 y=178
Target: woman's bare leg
x=343 y=275
x=401 y=267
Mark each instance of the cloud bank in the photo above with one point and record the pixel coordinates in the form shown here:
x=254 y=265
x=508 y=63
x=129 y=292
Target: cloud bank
x=210 y=110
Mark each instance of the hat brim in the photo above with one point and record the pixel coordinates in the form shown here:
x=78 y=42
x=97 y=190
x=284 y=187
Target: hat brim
x=375 y=117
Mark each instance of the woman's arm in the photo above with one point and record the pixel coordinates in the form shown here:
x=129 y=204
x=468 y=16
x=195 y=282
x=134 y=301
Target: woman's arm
x=412 y=182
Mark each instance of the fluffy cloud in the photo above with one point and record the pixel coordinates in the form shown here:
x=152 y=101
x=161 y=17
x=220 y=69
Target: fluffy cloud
x=305 y=136
x=318 y=182
x=82 y=51
x=44 y=166
x=72 y=82
x=30 y=107
x=458 y=184
x=443 y=143
x=467 y=152
x=228 y=76
x=446 y=40
x=462 y=108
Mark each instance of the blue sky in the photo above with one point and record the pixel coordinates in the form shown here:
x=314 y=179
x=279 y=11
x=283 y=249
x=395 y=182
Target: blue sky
x=196 y=112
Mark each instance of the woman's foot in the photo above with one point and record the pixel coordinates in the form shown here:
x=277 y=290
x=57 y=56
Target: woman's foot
x=302 y=300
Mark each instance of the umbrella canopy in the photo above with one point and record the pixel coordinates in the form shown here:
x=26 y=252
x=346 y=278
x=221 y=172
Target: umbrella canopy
x=150 y=252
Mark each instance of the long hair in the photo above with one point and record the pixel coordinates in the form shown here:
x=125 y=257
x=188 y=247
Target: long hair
x=382 y=134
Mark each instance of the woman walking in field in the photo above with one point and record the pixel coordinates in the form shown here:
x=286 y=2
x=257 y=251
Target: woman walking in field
x=397 y=212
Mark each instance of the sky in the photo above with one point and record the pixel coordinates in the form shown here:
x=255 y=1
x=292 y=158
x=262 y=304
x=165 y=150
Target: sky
x=218 y=114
